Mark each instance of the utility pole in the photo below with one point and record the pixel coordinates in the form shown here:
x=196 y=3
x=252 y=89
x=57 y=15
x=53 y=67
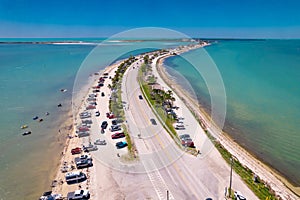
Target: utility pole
x=230 y=181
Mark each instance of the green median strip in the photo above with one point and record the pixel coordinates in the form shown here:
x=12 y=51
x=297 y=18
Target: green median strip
x=154 y=101
x=116 y=105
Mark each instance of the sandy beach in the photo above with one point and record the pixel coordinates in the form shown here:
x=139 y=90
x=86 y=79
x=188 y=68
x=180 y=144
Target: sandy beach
x=67 y=159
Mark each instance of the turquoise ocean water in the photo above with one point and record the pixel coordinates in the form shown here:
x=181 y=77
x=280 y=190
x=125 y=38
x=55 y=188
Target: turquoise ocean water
x=31 y=76
x=261 y=78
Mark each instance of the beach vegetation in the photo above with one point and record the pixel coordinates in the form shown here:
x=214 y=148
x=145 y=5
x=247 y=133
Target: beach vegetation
x=116 y=104
x=260 y=188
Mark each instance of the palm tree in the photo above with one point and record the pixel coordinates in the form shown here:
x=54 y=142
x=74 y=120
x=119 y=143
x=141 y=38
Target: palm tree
x=170 y=93
x=169 y=97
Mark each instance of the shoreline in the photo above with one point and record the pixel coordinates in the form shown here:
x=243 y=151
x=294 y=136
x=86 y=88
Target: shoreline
x=78 y=105
x=278 y=183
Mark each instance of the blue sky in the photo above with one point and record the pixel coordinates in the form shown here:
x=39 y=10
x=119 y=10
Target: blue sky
x=91 y=18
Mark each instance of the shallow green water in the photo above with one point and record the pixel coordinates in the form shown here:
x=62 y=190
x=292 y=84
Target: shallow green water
x=261 y=79
x=31 y=76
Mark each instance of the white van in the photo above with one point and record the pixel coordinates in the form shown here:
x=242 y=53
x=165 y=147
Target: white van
x=74 y=177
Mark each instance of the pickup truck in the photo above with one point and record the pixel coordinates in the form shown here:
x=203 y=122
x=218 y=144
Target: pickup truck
x=83 y=134
x=89 y=148
x=87 y=121
x=83 y=157
x=84 y=163
x=78 y=194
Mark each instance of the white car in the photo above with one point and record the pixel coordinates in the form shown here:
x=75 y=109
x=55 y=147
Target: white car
x=79 y=194
x=238 y=195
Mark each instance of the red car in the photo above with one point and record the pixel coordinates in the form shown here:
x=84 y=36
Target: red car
x=90 y=107
x=110 y=116
x=187 y=143
x=117 y=135
x=76 y=150
x=83 y=128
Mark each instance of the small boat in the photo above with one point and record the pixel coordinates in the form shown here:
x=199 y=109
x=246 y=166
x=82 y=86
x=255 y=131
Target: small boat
x=59 y=105
x=47 y=113
x=35 y=118
x=63 y=90
x=24 y=126
x=26 y=133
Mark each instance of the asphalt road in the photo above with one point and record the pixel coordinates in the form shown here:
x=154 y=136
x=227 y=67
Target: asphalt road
x=164 y=164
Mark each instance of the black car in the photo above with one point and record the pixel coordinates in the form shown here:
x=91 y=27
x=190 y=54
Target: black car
x=153 y=121
x=140 y=97
x=114 y=122
x=84 y=163
x=104 y=125
x=102 y=94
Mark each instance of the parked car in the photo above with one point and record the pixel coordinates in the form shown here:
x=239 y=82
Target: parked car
x=153 y=121
x=75 y=177
x=84 y=115
x=114 y=122
x=83 y=129
x=86 y=125
x=104 y=125
x=49 y=196
x=97 y=113
x=83 y=163
x=89 y=148
x=188 y=143
x=121 y=145
x=78 y=195
x=102 y=94
x=76 y=150
x=179 y=127
x=184 y=136
x=140 y=97
x=84 y=157
x=100 y=142
x=83 y=134
x=87 y=121
x=90 y=107
x=117 y=135
x=238 y=195
x=115 y=128
x=97 y=90
x=94 y=103
x=91 y=99
x=110 y=115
